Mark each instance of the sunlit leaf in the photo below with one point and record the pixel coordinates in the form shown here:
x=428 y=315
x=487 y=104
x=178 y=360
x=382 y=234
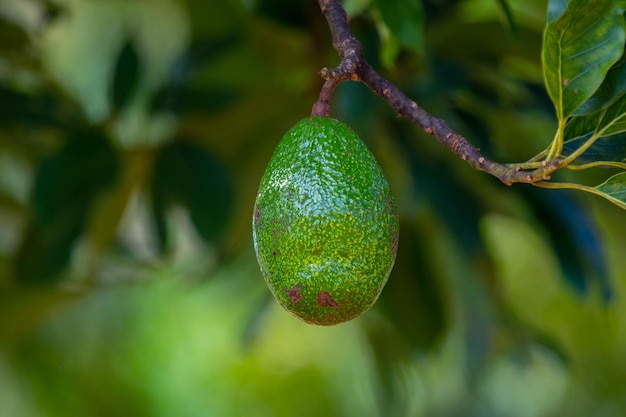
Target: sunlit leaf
x=615 y=189
x=405 y=19
x=579 y=48
x=556 y=8
x=613 y=87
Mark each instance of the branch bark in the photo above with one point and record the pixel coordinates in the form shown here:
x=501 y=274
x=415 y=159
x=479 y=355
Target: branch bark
x=353 y=66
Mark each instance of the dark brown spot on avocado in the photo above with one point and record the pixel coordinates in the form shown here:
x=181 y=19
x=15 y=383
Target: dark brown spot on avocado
x=294 y=294
x=326 y=300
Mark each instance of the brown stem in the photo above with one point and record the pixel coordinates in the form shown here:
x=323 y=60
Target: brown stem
x=322 y=105
x=353 y=66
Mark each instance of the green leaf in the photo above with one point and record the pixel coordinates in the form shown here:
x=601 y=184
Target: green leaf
x=68 y=180
x=613 y=118
x=188 y=175
x=65 y=187
x=389 y=44
x=355 y=7
x=405 y=19
x=607 y=122
x=613 y=87
x=614 y=189
x=37 y=110
x=126 y=75
x=581 y=127
x=13 y=38
x=508 y=12
x=556 y=9
x=180 y=94
x=579 y=48
x=609 y=148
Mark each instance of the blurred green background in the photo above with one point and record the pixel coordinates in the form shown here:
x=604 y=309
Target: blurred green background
x=133 y=136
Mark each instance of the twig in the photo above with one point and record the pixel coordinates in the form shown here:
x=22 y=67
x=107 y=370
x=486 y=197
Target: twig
x=354 y=67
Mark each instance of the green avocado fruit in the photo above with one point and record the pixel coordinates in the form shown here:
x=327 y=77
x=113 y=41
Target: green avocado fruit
x=325 y=226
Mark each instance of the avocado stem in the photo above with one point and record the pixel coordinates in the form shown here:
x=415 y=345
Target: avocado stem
x=322 y=105
x=353 y=66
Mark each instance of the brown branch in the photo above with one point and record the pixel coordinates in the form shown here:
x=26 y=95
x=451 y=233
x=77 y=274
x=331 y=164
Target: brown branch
x=354 y=67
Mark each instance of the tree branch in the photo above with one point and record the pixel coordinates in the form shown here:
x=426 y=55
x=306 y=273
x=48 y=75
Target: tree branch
x=354 y=67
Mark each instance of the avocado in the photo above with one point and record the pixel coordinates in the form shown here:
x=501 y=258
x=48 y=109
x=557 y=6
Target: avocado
x=325 y=226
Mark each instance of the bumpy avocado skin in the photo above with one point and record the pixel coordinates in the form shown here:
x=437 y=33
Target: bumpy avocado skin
x=325 y=226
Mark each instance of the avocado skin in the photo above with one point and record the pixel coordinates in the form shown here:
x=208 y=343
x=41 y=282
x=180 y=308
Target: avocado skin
x=325 y=226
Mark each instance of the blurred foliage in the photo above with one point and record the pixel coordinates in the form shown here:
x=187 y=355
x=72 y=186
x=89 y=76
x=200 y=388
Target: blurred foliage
x=133 y=135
